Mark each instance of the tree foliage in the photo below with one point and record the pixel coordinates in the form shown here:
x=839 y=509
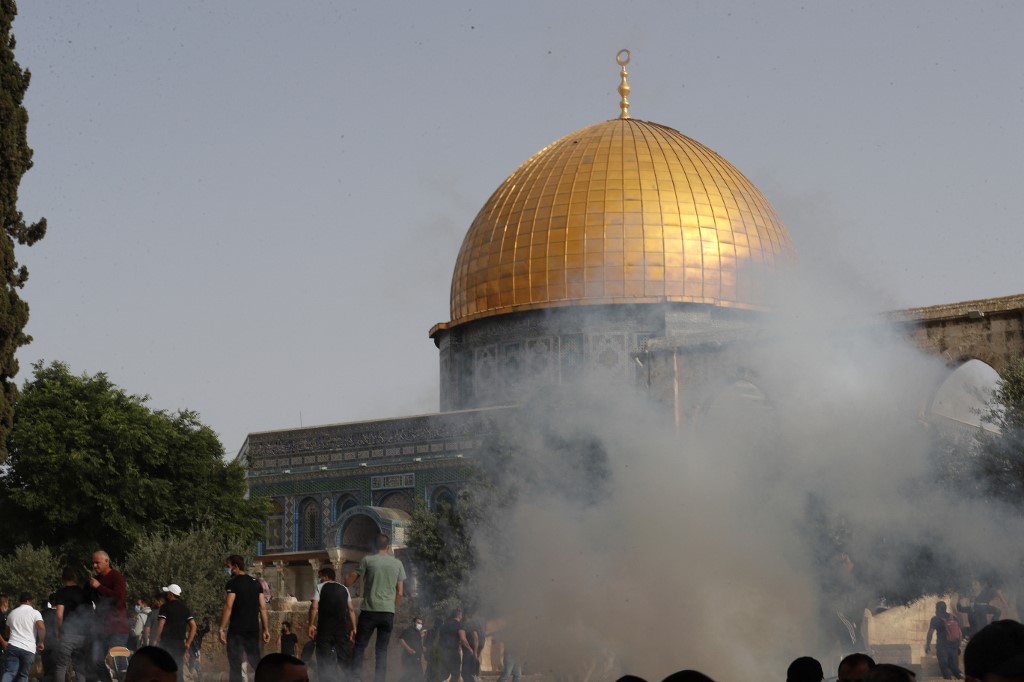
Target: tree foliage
x=31 y=569
x=91 y=466
x=1001 y=458
x=194 y=561
x=15 y=160
x=443 y=552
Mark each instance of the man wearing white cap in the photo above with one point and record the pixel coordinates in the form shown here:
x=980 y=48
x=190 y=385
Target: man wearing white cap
x=175 y=628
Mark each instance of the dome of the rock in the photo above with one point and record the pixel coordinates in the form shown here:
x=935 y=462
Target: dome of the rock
x=623 y=211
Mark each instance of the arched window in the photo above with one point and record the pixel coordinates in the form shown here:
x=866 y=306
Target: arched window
x=309 y=525
x=963 y=397
x=274 y=536
x=397 y=500
x=360 y=533
x=442 y=497
x=343 y=504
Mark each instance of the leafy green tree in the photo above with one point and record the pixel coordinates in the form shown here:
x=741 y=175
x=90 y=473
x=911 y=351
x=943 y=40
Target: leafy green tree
x=91 y=466
x=1001 y=458
x=194 y=561
x=442 y=550
x=15 y=160
x=36 y=570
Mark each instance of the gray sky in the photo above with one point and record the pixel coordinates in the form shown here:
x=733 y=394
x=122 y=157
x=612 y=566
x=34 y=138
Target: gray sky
x=255 y=207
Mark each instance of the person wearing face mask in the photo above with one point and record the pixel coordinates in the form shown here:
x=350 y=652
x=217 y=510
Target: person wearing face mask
x=332 y=625
x=411 y=640
x=139 y=618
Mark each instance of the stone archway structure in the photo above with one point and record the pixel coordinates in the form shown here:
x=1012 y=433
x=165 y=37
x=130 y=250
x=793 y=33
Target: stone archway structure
x=357 y=527
x=990 y=330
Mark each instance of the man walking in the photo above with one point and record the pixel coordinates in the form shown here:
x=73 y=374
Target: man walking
x=245 y=612
x=332 y=625
x=411 y=641
x=111 y=616
x=382 y=576
x=74 y=620
x=175 y=628
x=947 y=641
x=27 y=634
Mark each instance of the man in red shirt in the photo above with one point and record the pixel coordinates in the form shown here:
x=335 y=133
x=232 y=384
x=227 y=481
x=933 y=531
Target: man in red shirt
x=111 y=618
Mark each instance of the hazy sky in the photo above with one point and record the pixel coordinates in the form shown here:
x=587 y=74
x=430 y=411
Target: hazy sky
x=255 y=207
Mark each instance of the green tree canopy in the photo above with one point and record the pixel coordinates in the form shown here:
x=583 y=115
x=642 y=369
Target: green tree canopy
x=30 y=569
x=1001 y=458
x=194 y=561
x=91 y=466
x=15 y=160
x=443 y=553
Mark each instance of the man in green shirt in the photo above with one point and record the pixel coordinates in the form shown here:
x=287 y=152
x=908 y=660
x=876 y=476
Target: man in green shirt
x=382 y=576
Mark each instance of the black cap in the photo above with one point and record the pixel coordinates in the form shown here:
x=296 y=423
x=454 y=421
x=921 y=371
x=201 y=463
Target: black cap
x=998 y=648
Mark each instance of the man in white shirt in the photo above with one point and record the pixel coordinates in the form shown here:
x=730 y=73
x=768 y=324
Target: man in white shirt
x=25 y=637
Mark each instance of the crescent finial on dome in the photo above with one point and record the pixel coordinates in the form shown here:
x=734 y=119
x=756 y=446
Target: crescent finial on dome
x=622 y=58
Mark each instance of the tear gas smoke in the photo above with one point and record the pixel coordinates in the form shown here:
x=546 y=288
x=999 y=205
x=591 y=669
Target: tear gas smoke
x=634 y=547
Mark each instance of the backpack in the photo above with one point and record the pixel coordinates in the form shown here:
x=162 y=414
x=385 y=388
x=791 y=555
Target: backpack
x=953 y=633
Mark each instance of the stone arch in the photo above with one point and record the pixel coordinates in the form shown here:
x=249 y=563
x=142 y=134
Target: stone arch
x=397 y=500
x=960 y=394
x=738 y=412
x=310 y=536
x=442 y=495
x=741 y=392
x=359 y=532
x=357 y=528
x=344 y=502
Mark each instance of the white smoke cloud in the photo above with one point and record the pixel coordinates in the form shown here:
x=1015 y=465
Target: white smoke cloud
x=650 y=550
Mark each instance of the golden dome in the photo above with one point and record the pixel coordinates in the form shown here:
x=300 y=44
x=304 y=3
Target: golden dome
x=623 y=211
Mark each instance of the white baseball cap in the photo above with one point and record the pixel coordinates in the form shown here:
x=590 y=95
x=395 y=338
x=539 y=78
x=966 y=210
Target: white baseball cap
x=173 y=589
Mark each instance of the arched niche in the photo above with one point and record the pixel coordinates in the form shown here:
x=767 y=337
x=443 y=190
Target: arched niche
x=309 y=524
x=962 y=396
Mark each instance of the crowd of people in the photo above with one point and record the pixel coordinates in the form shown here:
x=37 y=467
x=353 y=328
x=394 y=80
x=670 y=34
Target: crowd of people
x=74 y=630
x=85 y=627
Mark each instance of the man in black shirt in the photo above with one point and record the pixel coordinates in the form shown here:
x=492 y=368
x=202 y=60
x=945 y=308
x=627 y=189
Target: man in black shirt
x=288 y=640
x=74 y=619
x=411 y=640
x=332 y=624
x=245 y=612
x=454 y=646
x=175 y=628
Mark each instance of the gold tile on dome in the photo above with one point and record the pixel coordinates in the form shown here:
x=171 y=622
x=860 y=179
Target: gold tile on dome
x=634 y=289
x=627 y=208
x=614 y=259
x=633 y=272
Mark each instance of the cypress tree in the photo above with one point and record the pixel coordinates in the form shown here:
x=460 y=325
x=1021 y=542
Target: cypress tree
x=15 y=160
